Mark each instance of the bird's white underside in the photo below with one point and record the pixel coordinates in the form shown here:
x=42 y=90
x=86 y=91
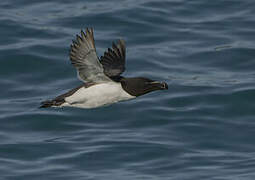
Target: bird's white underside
x=97 y=95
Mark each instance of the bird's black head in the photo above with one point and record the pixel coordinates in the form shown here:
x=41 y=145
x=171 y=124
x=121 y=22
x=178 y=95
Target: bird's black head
x=139 y=86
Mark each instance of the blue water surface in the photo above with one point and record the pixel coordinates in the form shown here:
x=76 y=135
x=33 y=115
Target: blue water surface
x=202 y=128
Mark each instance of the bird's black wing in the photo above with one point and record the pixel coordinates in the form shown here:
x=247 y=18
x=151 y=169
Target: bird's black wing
x=113 y=60
x=84 y=58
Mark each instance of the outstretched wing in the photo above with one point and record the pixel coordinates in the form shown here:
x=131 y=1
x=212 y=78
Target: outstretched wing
x=113 y=60
x=84 y=58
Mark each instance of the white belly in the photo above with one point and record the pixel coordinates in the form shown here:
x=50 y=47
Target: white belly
x=97 y=95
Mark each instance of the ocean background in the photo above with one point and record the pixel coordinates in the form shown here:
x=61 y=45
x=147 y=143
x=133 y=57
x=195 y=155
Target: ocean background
x=202 y=128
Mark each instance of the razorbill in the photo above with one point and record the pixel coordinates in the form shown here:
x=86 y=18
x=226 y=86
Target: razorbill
x=102 y=83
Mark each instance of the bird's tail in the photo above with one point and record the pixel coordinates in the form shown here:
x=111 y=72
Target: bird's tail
x=50 y=103
x=46 y=104
x=59 y=100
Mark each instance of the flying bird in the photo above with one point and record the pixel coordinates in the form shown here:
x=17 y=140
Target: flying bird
x=102 y=80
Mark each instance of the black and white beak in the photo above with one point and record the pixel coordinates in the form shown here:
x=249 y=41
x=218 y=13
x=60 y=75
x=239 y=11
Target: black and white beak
x=161 y=85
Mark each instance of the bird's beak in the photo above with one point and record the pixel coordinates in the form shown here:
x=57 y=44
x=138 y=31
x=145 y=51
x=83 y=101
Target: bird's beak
x=161 y=85
x=164 y=85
